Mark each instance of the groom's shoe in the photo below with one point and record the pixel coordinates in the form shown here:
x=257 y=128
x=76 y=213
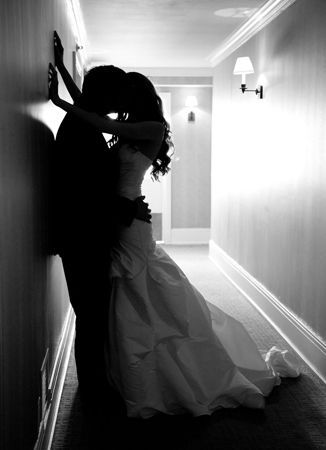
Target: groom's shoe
x=101 y=429
x=95 y=433
x=115 y=405
x=105 y=401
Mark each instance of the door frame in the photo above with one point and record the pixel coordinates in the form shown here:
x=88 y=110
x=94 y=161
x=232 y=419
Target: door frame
x=166 y=179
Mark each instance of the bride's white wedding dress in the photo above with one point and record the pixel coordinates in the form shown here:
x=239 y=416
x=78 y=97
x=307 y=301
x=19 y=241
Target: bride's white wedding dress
x=167 y=352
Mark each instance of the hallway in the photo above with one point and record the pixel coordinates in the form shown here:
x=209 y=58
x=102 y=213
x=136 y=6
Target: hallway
x=295 y=414
x=246 y=192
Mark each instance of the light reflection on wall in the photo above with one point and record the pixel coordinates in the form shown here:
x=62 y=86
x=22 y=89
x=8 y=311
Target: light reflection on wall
x=256 y=149
x=47 y=113
x=76 y=21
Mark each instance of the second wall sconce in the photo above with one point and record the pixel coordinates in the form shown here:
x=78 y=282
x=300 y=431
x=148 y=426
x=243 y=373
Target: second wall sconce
x=191 y=102
x=243 y=67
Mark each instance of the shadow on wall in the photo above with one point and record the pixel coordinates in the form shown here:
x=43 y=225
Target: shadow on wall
x=28 y=181
x=32 y=310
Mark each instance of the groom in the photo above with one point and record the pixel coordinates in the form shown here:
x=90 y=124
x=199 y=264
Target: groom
x=88 y=214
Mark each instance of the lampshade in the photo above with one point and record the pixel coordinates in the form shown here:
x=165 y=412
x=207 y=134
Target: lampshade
x=191 y=101
x=243 y=66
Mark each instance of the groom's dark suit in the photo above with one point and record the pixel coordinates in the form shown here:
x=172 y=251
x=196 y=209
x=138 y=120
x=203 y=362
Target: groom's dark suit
x=86 y=222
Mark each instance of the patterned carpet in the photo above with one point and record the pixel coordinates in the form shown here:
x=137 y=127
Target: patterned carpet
x=295 y=413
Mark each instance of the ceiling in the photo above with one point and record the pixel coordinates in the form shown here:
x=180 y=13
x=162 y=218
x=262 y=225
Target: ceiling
x=160 y=33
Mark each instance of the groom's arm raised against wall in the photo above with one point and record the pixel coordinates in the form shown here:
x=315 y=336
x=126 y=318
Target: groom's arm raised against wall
x=127 y=210
x=71 y=86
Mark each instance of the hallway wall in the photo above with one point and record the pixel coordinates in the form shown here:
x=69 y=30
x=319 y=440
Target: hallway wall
x=33 y=299
x=191 y=165
x=269 y=161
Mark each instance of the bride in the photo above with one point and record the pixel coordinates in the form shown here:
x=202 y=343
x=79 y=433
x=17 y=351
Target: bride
x=166 y=352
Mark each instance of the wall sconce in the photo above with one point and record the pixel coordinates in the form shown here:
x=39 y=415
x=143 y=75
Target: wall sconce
x=243 y=67
x=191 y=102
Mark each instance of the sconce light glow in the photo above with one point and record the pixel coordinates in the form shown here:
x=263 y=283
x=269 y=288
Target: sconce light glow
x=243 y=67
x=250 y=162
x=191 y=102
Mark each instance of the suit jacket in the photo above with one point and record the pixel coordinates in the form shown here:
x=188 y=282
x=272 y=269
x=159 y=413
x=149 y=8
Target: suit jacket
x=87 y=210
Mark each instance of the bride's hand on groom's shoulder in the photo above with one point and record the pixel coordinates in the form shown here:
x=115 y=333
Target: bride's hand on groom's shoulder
x=53 y=84
x=142 y=210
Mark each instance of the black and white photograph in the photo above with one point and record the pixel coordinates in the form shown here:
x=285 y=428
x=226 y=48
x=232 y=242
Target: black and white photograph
x=163 y=225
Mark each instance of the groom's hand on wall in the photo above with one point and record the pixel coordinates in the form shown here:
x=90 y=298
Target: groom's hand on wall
x=58 y=50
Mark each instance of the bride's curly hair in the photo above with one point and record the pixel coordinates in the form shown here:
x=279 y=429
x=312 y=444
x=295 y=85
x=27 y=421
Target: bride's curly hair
x=144 y=104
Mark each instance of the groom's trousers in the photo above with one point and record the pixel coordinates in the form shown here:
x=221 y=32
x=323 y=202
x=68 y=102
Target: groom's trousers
x=87 y=276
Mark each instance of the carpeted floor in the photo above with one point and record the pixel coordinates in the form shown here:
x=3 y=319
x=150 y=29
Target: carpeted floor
x=295 y=413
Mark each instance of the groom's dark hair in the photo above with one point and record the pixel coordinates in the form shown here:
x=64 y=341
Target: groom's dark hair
x=102 y=87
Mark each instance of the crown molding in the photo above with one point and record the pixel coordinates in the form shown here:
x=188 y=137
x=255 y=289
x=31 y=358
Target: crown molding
x=172 y=71
x=268 y=12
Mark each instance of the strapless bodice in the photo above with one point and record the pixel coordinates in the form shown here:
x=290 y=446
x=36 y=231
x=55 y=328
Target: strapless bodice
x=133 y=166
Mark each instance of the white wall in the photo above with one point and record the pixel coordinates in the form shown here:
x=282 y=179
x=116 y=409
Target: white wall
x=269 y=165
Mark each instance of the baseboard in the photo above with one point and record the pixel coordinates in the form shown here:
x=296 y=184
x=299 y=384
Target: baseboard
x=188 y=236
x=56 y=383
x=304 y=341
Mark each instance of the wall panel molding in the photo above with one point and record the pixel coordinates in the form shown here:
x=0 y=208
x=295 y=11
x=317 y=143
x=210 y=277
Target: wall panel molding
x=57 y=379
x=305 y=342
